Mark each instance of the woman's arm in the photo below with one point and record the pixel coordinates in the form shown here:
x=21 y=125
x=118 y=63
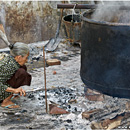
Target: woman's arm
x=17 y=90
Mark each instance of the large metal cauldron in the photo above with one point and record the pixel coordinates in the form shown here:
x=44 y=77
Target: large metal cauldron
x=105 y=56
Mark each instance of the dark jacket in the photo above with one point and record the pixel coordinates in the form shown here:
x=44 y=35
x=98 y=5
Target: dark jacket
x=8 y=66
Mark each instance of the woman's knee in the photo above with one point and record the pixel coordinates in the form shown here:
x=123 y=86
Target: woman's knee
x=23 y=76
x=20 y=72
x=20 y=78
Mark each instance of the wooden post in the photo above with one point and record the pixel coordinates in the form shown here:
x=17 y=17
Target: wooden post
x=45 y=79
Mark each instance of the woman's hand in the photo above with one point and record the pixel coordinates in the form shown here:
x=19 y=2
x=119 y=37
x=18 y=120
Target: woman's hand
x=17 y=90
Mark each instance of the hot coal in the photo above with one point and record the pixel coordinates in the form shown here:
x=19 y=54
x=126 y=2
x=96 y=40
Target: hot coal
x=30 y=96
x=60 y=96
x=69 y=121
x=23 y=111
x=36 y=58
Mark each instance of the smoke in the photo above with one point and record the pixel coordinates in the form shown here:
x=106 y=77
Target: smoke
x=112 y=12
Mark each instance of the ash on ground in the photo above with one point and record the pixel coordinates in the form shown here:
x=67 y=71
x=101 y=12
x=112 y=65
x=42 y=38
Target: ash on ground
x=64 y=88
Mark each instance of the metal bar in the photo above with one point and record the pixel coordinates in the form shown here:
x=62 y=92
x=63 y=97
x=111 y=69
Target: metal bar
x=78 y=6
x=90 y=6
x=45 y=79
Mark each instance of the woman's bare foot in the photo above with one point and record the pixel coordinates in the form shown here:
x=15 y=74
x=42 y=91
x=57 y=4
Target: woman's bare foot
x=9 y=104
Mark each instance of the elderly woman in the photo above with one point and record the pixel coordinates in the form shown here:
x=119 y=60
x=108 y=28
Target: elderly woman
x=13 y=73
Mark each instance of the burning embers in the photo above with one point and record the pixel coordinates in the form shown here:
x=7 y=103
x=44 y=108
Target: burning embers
x=108 y=114
x=64 y=98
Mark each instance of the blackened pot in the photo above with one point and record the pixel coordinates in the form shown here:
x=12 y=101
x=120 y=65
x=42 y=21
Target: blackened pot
x=105 y=56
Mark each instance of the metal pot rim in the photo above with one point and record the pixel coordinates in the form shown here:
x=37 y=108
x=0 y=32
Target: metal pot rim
x=100 y=22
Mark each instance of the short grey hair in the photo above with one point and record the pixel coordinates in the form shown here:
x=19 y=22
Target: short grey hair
x=19 y=48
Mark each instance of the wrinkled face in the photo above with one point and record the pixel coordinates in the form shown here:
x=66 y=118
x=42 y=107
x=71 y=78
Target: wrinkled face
x=22 y=59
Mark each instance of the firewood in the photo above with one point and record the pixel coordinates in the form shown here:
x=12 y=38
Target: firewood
x=95 y=97
x=109 y=124
x=128 y=105
x=97 y=114
x=88 y=114
x=51 y=62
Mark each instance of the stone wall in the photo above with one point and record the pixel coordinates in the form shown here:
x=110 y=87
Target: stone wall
x=30 y=21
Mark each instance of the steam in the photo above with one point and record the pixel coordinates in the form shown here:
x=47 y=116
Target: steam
x=111 y=12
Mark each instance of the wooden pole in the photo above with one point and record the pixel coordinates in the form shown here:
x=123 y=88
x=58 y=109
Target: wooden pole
x=45 y=78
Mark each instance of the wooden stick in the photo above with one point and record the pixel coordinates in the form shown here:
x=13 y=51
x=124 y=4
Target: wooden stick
x=45 y=79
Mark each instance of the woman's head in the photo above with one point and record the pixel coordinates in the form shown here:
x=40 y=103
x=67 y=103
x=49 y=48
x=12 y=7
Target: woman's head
x=19 y=48
x=20 y=51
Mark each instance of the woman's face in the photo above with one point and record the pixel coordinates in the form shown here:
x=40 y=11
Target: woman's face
x=22 y=59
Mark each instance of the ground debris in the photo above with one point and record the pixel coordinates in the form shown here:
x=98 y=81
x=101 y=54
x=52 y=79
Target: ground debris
x=99 y=114
x=89 y=114
x=95 y=97
x=53 y=109
x=128 y=105
x=72 y=101
x=63 y=87
x=109 y=124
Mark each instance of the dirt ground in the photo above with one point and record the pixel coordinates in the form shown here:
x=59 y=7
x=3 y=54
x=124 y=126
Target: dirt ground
x=61 y=87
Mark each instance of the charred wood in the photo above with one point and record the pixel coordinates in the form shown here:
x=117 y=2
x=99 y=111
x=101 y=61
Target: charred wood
x=108 y=124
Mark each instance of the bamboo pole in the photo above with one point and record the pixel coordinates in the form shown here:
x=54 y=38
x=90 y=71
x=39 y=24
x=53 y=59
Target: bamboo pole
x=45 y=79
